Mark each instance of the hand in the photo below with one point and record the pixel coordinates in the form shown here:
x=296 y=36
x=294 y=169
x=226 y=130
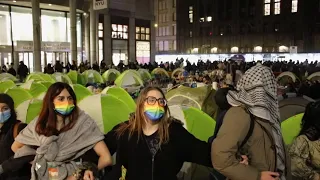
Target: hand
x=267 y=175
x=88 y=175
x=245 y=160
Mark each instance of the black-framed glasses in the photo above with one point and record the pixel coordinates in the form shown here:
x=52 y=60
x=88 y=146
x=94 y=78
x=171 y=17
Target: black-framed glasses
x=152 y=101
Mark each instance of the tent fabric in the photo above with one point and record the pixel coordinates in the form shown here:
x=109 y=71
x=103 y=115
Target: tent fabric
x=40 y=77
x=160 y=71
x=61 y=77
x=106 y=110
x=80 y=91
x=46 y=84
x=92 y=76
x=291 y=128
x=122 y=95
x=292 y=106
x=110 y=75
x=287 y=74
x=314 y=77
x=201 y=98
x=76 y=77
x=37 y=90
x=29 y=110
x=19 y=95
x=177 y=72
x=144 y=74
x=5 y=85
x=128 y=78
x=7 y=76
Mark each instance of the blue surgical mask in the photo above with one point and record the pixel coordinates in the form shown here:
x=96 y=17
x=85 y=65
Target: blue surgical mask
x=5 y=116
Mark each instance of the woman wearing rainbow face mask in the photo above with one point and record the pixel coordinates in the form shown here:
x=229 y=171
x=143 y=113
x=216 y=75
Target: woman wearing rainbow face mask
x=62 y=134
x=152 y=145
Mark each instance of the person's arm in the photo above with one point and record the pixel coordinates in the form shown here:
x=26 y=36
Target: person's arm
x=111 y=139
x=235 y=127
x=104 y=155
x=192 y=149
x=16 y=145
x=300 y=154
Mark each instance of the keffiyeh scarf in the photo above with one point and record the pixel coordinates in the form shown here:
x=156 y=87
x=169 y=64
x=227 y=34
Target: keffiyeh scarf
x=258 y=92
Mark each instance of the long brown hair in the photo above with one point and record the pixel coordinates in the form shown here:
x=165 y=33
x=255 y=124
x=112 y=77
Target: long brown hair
x=47 y=120
x=137 y=119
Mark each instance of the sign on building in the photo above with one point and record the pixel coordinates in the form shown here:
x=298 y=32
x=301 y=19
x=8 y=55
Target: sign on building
x=27 y=46
x=293 y=49
x=100 y=4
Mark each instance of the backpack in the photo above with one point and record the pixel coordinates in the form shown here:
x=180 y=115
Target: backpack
x=215 y=175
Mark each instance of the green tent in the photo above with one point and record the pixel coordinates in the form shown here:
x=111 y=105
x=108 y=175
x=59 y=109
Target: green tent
x=201 y=98
x=285 y=77
x=92 y=76
x=46 y=84
x=144 y=74
x=37 y=76
x=60 y=77
x=122 y=95
x=291 y=128
x=6 y=84
x=160 y=71
x=110 y=75
x=176 y=72
x=36 y=89
x=106 y=110
x=195 y=121
x=19 y=95
x=76 y=77
x=80 y=91
x=7 y=76
x=129 y=78
x=29 y=110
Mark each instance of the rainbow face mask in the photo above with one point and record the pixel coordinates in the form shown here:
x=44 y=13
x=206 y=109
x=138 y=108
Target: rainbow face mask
x=64 y=109
x=154 y=112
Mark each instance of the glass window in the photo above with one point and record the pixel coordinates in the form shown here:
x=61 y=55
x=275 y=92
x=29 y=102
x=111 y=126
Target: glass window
x=100 y=34
x=100 y=26
x=143 y=52
x=294 y=7
x=190 y=14
x=119 y=51
x=137 y=29
x=119 y=31
x=22 y=29
x=100 y=50
x=277 y=6
x=54 y=26
x=267 y=7
x=143 y=33
x=5 y=30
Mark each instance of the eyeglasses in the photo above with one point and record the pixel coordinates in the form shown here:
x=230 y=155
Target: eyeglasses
x=152 y=101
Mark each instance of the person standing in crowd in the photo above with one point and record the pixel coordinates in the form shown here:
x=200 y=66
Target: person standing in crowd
x=9 y=129
x=12 y=71
x=22 y=71
x=254 y=118
x=61 y=134
x=152 y=145
x=305 y=152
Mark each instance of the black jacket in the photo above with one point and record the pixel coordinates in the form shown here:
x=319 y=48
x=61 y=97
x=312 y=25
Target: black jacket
x=135 y=155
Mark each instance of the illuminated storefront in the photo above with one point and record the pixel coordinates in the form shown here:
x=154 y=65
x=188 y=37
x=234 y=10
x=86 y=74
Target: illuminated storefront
x=143 y=45
x=16 y=35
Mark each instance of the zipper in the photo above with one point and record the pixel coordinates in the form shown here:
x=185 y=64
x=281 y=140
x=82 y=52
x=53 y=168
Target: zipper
x=153 y=156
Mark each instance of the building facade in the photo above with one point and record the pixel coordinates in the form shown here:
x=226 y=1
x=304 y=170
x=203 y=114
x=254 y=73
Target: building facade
x=166 y=29
x=248 y=26
x=72 y=30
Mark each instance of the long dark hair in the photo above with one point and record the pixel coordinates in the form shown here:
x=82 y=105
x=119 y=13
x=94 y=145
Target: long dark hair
x=310 y=125
x=46 y=124
x=6 y=99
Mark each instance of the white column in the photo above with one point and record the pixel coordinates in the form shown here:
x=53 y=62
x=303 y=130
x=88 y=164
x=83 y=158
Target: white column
x=87 y=36
x=93 y=36
x=73 y=30
x=107 y=39
x=16 y=60
x=132 y=39
x=36 y=35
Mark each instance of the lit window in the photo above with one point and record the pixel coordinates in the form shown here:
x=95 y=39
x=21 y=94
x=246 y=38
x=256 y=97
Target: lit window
x=202 y=19
x=100 y=26
x=209 y=19
x=190 y=33
x=190 y=14
x=119 y=31
x=294 y=7
x=267 y=7
x=143 y=33
x=277 y=6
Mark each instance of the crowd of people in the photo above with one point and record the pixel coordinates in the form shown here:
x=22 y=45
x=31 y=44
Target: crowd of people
x=63 y=142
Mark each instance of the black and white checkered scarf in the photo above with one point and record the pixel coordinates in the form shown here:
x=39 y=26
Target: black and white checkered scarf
x=258 y=92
